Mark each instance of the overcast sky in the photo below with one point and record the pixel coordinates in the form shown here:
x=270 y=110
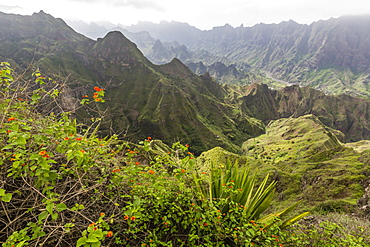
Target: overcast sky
x=203 y=14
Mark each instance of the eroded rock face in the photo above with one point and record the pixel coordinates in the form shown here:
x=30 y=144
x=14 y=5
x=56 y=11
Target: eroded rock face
x=364 y=202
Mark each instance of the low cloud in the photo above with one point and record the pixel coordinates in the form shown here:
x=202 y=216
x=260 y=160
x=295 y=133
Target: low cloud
x=138 y=4
x=6 y=8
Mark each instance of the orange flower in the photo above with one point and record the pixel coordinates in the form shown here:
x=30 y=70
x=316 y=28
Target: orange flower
x=92 y=224
x=182 y=170
x=42 y=152
x=137 y=163
x=11 y=119
x=133 y=218
x=8 y=131
x=78 y=138
x=46 y=156
x=102 y=214
x=85 y=96
x=116 y=170
x=187 y=145
x=126 y=217
x=149 y=138
x=151 y=171
x=82 y=151
x=204 y=173
x=205 y=224
x=109 y=234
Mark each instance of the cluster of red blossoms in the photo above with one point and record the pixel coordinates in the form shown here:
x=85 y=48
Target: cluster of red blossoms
x=98 y=89
x=126 y=217
x=44 y=154
x=96 y=94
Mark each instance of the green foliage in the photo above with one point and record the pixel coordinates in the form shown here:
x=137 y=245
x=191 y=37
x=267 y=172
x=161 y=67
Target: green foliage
x=332 y=230
x=63 y=186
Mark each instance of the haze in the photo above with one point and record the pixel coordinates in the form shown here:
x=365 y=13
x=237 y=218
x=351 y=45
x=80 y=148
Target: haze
x=201 y=14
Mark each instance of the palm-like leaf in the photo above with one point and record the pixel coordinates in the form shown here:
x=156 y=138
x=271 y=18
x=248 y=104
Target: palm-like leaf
x=255 y=200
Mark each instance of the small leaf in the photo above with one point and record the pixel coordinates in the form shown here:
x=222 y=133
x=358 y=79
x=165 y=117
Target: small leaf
x=54 y=216
x=7 y=197
x=81 y=241
x=60 y=207
x=92 y=239
x=43 y=215
x=49 y=207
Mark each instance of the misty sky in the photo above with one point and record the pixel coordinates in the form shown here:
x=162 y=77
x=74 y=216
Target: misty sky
x=203 y=14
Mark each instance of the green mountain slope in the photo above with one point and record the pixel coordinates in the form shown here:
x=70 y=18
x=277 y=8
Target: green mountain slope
x=308 y=160
x=168 y=102
x=342 y=112
x=330 y=55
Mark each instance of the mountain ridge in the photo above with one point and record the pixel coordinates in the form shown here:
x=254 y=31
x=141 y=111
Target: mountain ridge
x=168 y=101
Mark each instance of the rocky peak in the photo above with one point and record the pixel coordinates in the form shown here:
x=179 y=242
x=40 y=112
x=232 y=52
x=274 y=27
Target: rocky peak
x=117 y=49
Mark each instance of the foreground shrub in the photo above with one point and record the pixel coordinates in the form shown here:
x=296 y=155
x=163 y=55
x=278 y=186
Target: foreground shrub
x=64 y=187
x=328 y=230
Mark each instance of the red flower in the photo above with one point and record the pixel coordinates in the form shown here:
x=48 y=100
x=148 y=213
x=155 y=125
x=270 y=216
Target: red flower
x=133 y=218
x=78 y=138
x=116 y=170
x=11 y=119
x=98 y=89
x=8 y=131
x=205 y=224
x=126 y=217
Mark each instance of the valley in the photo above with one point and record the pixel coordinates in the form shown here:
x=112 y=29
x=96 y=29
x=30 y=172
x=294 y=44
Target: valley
x=286 y=102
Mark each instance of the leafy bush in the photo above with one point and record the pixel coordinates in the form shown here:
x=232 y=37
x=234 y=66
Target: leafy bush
x=328 y=230
x=63 y=187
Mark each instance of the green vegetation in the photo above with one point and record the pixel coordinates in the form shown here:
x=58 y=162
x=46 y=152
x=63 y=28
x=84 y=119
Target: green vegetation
x=61 y=185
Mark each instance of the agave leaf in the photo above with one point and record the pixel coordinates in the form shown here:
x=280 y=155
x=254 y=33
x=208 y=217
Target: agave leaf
x=294 y=219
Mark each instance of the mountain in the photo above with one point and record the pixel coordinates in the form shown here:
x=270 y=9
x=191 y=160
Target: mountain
x=308 y=161
x=331 y=55
x=167 y=102
x=348 y=114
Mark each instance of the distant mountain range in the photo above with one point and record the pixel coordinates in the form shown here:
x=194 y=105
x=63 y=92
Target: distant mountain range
x=168 y=101
x=332 y=55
